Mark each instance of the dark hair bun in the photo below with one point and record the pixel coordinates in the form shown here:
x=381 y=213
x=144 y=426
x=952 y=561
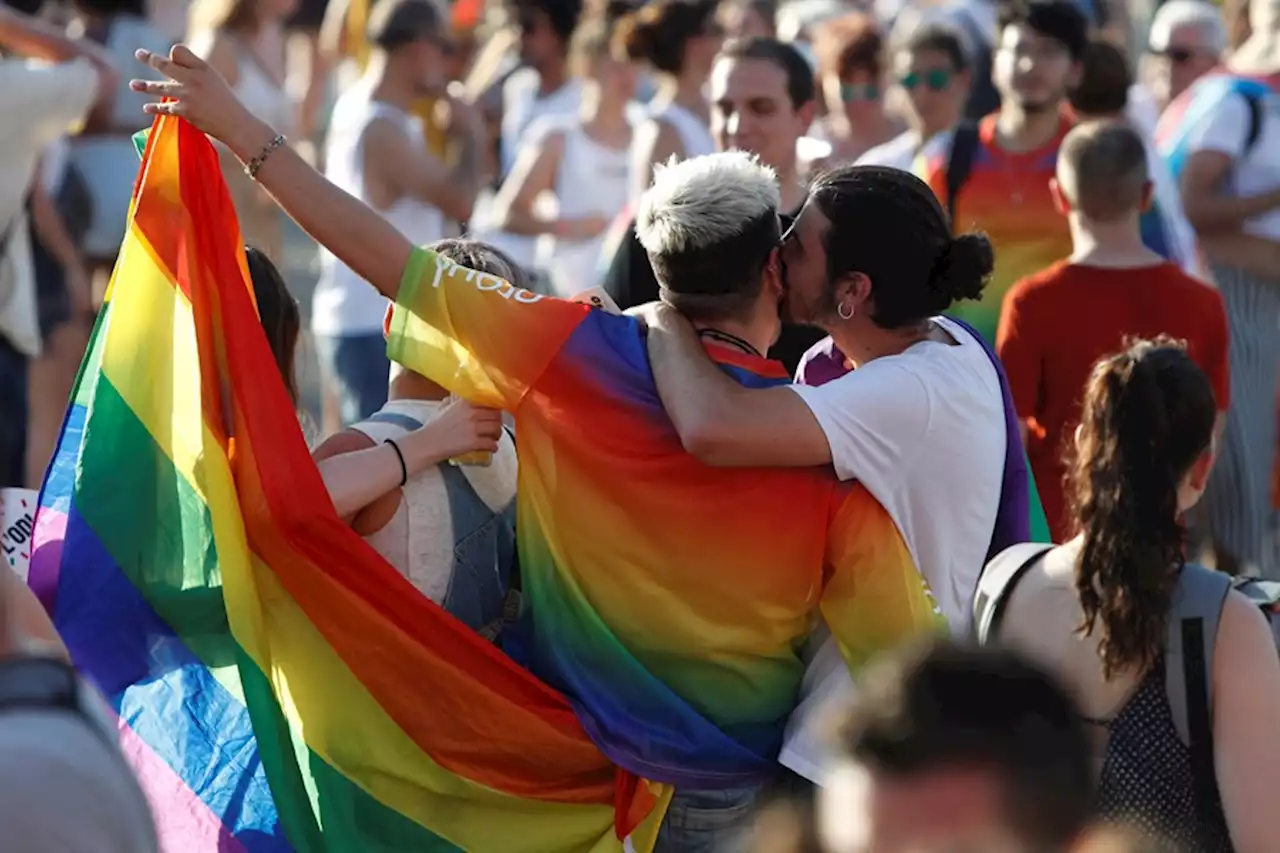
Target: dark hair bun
x=657 y=31
x=964 y=267
x=636 y=34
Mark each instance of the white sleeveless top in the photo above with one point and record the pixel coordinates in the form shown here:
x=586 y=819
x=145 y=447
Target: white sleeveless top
x=695 y=136
x=419 y=540
x=344 y=303
x=593 y=179
x=522 y=109
x=262 y=96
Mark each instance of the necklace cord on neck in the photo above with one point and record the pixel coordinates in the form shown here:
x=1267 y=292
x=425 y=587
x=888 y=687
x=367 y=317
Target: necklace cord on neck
x=729 y=340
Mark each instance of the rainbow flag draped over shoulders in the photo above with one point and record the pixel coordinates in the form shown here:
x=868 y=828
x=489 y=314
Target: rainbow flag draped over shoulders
x=279 y=686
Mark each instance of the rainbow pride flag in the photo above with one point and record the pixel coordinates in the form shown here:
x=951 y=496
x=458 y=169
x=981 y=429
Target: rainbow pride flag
x=278 y=685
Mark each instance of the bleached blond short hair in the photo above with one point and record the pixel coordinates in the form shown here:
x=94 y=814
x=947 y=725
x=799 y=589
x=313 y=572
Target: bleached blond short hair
x=700 y=202
x=708 y=225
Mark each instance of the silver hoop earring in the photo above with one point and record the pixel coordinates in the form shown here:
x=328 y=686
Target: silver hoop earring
x=844 y=316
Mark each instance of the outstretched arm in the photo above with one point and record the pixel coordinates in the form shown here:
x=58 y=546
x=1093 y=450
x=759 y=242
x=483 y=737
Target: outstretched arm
x=357 y=235
x=472 y=333
x=718 y=420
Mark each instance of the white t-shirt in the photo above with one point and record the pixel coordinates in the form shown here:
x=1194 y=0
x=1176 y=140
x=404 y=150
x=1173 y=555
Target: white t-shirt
x=522 y=109
x=1142 y=110
x=897 y=153
x=1225 y=128
x=904 y=150
x=925 y=432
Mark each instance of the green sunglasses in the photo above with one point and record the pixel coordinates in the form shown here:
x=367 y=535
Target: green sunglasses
x=852 y=92
x=935 y=79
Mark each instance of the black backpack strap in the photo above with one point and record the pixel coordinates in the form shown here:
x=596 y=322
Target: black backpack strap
x=1188 y=669
x=964 y=145
x=997 y=581
x=1254 y=102
x=1190 y=635
x=1195 y=669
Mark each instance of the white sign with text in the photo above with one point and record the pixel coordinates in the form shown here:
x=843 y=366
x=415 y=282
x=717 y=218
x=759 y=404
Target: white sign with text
x=17 y=526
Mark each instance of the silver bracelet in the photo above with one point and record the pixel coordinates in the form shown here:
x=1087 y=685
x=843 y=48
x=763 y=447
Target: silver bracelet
x=251 y=168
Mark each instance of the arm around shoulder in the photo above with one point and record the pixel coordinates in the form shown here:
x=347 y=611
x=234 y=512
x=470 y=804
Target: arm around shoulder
x=718 y=420
x=1246 y=739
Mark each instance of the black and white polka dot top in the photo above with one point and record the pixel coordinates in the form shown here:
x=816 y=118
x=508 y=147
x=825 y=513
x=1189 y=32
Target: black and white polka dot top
x=1147 y=782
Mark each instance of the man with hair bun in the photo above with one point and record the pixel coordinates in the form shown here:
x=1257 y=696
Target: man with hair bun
x=668 y=601
x=923 y=421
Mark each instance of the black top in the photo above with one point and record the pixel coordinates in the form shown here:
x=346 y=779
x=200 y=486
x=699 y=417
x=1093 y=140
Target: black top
x=1147 y=778
x=631 y=282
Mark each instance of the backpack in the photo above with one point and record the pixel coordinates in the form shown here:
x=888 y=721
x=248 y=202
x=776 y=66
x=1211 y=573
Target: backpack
x=1187 y=112
x=1190 y=633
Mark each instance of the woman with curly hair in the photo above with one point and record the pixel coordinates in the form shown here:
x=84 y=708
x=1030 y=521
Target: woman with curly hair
x=1096 y=609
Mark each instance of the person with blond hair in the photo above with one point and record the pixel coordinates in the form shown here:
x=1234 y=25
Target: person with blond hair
x=649 y=690
x=244 y=40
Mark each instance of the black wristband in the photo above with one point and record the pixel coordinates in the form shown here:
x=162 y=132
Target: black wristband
x=404 y=469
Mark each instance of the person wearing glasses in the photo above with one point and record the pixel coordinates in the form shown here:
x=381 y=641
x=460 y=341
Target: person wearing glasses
x=849 y=51
x=1187 y=41
x=933 y=70
x=1037 y=62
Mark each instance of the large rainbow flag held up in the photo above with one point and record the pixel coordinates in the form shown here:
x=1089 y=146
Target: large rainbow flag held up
x=279 y=686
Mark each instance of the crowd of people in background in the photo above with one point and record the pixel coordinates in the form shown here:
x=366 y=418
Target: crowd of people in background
x=984 y=238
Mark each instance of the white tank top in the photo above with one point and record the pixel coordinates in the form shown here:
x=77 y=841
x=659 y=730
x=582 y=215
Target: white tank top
x=259 y=91
x=695 y=136
x=592 y=179
x=522 y=109
x=344 y=303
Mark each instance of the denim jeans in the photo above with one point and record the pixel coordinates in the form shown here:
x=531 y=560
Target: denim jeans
x=708 y=821
x=358 y=367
